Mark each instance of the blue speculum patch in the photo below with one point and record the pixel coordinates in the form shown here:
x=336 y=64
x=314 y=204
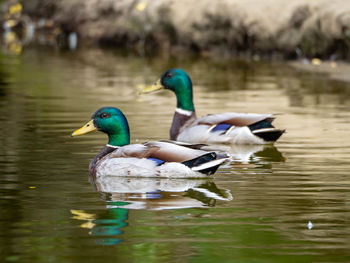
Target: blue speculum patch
x=157 y=161
x=221 y=127
x=157 y=194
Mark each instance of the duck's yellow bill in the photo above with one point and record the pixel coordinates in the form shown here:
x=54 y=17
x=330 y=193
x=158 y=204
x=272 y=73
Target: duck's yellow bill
x=156 y=86
x=88 y=127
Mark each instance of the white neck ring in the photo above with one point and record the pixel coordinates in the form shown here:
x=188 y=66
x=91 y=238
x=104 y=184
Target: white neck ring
x=184 y=112
x=112 y=146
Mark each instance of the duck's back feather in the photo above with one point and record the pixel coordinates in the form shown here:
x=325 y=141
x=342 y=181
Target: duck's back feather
x=170 y=152
x=233 y=118
x=202 y=134
x=165 y=151
x=134 y=150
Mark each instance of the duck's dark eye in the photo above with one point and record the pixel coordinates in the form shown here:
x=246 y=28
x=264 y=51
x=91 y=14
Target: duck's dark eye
x=168 y=75
x=104 y=115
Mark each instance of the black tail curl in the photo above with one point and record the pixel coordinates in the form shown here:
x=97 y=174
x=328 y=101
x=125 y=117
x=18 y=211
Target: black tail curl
x=202 y=160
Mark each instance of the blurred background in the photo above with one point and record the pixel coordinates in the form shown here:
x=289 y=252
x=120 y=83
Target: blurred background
x=61 y=60
x=270 y=28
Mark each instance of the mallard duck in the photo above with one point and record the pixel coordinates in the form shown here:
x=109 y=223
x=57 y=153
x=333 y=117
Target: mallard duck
x=228 y=127
x=151 y=159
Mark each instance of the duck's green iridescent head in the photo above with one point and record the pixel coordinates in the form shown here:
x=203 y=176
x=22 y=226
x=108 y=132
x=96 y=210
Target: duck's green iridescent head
x=179 y=82
x=111 y=121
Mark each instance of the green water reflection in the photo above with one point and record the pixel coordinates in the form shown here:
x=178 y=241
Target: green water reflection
x=255 y=209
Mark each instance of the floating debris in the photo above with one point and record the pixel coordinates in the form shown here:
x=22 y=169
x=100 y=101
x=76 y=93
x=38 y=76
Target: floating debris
x=73 y=41
x=310 y=225
x=305 y=61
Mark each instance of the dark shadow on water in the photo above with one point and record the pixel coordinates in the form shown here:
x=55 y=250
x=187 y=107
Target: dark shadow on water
x=3 y=81
x=270 y=154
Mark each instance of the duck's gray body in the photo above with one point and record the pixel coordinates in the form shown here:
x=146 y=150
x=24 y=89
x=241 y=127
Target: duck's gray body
x=227 y=128
x=154 y=159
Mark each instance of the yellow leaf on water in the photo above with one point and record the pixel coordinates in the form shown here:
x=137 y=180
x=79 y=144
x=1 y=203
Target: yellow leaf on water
x=88 y=225
x=82 y=215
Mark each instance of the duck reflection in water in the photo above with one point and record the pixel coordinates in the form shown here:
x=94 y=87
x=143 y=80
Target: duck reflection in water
x=125 y=194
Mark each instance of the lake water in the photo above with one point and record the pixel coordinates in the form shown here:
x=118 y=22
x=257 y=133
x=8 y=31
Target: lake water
x=288 y=203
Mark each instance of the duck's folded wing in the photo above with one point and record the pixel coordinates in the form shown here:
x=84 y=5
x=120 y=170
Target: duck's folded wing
x=235 y=119
x=198 y=146
x=134 y=150
x=170 y=152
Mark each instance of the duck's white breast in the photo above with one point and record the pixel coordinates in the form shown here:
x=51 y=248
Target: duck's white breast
x=135 y=167
x=109 y=184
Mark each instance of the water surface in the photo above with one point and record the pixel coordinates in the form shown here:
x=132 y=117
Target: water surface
x=288 y=203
